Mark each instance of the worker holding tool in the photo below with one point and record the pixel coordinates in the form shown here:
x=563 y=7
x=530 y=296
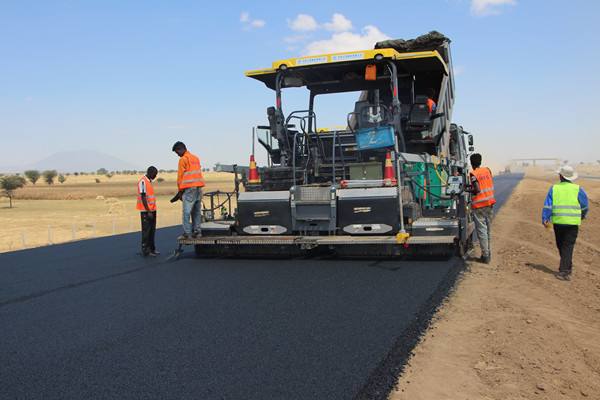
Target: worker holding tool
x=482 y=204
x=565 y=206
x=189 y=182
x=146 y=204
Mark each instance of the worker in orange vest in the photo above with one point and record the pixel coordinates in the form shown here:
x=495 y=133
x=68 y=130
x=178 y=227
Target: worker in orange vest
x=146 y=204
x=431 y=105
x=482 y=204
x=190 y=182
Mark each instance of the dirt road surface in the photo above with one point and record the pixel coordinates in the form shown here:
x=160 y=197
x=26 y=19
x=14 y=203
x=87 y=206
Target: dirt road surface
x=511 y=330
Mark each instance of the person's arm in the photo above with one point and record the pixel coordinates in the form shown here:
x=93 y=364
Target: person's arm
x=583 y=202
x=142 y=189
x=547 y=210
x=181 y=171
x=474 y=185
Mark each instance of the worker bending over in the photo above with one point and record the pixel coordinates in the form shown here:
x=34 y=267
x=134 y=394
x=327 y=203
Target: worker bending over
x=189 y=182
x=565 y=206
x=482 y=204
x=146 y=204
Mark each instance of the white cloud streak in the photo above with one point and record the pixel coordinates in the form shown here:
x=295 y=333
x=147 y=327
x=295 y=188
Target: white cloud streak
x=303 y=23
x=339 y=23
x=347 y=41
x=250 y=23
x=482 y=8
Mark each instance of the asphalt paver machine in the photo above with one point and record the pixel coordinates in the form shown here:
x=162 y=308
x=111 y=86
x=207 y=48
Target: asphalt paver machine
x=389 y=183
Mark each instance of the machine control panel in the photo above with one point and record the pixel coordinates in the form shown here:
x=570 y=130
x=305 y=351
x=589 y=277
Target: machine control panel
x=455 y=185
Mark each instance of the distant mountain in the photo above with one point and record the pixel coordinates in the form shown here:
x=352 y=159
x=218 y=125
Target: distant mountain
x=77 y=161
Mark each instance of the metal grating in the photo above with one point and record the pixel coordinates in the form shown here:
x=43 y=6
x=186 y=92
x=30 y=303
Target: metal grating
x=313 y=193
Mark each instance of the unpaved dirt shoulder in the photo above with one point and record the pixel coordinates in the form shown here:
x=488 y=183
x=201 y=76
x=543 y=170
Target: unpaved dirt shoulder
x=511 y=330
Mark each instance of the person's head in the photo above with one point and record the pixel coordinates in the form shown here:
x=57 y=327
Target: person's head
x=475 y=160
x=151 y=172
x=567 y=173
x=431 y=93
x=179 y=148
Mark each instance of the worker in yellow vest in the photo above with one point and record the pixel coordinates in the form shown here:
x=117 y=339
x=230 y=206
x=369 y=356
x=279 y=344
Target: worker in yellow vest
x=482 y=204
x=190 y=182
x=146 y=204
x=565 y=206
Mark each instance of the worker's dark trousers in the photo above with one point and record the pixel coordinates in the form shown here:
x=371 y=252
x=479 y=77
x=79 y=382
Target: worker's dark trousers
x=566 y=235
x=148 y=231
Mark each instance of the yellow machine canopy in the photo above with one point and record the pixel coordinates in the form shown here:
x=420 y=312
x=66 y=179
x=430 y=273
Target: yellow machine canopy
x=337 y=72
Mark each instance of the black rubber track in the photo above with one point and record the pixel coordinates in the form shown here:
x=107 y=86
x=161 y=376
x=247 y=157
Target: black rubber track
x=92 y=320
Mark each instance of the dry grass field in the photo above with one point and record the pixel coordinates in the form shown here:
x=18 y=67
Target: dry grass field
x=80 y=208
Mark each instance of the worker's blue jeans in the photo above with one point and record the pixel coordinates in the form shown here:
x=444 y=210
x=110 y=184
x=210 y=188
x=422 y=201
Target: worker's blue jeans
x=483 y=224
x=192 y=209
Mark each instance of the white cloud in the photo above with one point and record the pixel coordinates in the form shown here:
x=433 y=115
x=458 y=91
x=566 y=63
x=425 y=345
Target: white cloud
x=303 y=23
x=250 y=23
x=482 y=8
x=347 y=41
x=339 y=23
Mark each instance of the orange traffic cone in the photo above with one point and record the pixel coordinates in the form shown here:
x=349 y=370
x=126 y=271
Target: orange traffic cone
x=389 y=177
x=253 y=177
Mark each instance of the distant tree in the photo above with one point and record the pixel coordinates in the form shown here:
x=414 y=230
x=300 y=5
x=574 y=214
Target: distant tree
x=49 y=176
x=109 y=175
x=61 y=179
x=102 y=171
x=97 y=180
x=9 y=184
x=33 y=175
x=76 y=173
x=159 y=180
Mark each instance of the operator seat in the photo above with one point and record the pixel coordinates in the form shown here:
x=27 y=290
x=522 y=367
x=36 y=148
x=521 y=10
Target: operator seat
x=419 y=117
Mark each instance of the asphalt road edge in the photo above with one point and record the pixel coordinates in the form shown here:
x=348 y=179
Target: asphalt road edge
x=384 y=378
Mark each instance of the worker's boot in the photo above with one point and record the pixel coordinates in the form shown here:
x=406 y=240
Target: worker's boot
x=485 y=259
x=563 y=276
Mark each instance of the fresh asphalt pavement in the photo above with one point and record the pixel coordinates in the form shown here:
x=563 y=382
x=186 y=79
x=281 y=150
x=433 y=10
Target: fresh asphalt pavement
x=93 y=320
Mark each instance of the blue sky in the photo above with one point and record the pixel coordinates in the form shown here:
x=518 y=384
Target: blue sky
x=131 y=77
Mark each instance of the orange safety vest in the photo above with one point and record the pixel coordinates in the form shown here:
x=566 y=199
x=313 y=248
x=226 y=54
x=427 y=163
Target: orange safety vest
x=150 y=198
x=190 y=172
x=430 y=105
x=485 y=197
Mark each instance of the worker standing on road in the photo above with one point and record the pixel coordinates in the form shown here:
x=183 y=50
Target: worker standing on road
x=146 y=204
x=565 y=206
x=482 y=204
x=190 y=182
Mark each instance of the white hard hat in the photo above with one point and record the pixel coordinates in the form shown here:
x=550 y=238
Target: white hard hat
x=567 y=172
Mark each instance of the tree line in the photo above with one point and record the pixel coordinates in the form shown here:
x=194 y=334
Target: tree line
x=10 y=183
